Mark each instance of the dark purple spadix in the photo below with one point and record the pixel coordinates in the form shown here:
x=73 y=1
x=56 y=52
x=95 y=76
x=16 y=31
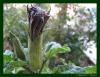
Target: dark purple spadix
x=37 y=20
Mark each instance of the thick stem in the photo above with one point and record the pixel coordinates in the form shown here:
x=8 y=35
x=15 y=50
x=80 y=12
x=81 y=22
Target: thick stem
x=35 y=53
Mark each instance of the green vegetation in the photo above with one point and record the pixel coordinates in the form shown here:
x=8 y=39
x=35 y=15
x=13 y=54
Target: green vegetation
x=36 y=42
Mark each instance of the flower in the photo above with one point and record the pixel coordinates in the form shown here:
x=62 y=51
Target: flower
x=37 y=20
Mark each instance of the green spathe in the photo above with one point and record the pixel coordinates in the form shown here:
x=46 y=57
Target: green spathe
x=35 y=54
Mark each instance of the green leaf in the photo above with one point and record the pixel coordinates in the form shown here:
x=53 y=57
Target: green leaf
x=7 y=58
x=48 y=47
x=17 y=46
x=90 y=70
x=53 y=51
x=19 y=69
x=18 y=63
x=60 y=68
x=13 y=65
x=46 y=69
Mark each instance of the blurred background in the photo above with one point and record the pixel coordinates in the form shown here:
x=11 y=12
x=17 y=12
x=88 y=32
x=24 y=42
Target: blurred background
x=71 y=24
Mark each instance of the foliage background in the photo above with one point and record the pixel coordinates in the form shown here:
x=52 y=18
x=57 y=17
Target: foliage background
x=77 y=29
